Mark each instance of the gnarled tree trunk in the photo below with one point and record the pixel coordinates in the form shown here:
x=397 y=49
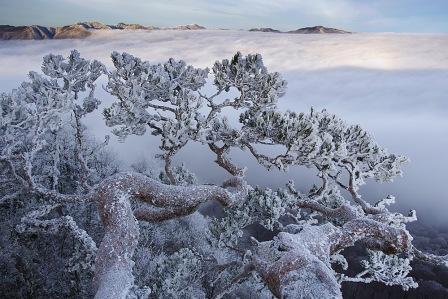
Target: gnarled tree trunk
x=156 y=202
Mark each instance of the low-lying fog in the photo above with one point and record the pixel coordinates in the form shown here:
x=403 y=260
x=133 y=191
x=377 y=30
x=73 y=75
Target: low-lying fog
x=394 y=85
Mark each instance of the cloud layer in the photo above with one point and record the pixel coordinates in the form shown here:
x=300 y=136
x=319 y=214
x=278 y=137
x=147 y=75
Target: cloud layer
x=394 y=85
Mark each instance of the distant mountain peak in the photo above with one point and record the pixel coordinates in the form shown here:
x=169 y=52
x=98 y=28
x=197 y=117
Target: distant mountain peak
x=266 y=29
x=318 y=30
x=94 y=25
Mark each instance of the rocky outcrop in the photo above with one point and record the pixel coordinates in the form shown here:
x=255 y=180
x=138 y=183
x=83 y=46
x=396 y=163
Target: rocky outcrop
x=264 y=30
x=318 y=30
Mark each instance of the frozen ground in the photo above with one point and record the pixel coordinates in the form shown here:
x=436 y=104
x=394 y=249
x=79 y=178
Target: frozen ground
x=394 y=85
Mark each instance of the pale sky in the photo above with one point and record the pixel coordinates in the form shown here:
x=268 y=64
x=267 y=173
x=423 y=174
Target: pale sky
x=353 y=15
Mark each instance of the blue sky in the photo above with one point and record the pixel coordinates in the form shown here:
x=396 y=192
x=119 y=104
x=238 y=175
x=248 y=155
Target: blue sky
x=354 y=15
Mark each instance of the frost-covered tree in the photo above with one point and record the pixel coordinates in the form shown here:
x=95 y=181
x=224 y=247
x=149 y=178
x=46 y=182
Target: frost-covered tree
x=140 y=211
x=41 y=131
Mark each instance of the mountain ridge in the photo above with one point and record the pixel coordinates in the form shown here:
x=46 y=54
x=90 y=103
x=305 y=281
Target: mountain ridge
x=81 y=30
x=75 y=31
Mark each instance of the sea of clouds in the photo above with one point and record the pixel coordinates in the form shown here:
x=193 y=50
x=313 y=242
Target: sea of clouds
x=394 y=85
